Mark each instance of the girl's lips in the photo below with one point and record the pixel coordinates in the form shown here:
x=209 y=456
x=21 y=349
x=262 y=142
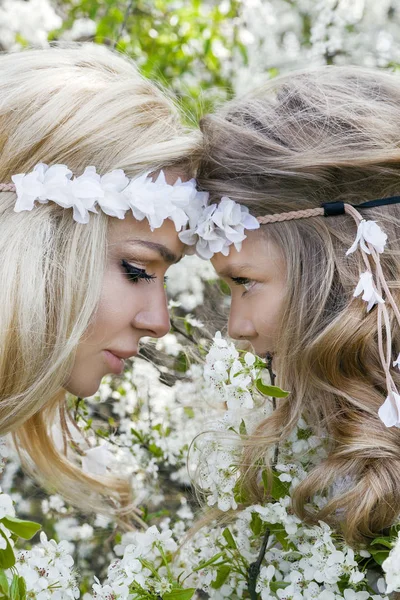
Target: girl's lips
x=115 y=363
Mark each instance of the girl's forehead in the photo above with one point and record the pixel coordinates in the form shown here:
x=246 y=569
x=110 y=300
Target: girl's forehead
x=257 y=252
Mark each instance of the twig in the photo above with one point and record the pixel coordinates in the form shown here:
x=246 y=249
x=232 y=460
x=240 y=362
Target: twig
x=272 y=376
x=124 y=22
x=254 y=568
x=189 y=337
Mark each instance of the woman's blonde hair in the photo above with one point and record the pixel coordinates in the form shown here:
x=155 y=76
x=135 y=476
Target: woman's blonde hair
x=303 y=139
x=79 y=105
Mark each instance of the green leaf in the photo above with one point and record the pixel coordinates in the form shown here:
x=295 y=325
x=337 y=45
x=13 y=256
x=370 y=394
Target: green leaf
x=155 y=450
x=180 y=594
x=222 y=575
x=274 y=486
x=265 y=480
x=242 y=428
x=256 y=523
x=23 y=529
x=278 y=585
x=271 y=390
x=279 y=489
x=14 y=588
x=379 y=555
x=281 y=536
x=209 y=562
x=22 y=588
x=383 y=542
x=7 y=558
x=3 y=583
x=229 y=539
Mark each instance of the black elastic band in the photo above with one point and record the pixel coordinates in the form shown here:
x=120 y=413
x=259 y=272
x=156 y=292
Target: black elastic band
x=332 y=209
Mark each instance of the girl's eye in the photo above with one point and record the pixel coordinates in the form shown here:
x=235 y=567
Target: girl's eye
x=244 y=281
x=135 y=274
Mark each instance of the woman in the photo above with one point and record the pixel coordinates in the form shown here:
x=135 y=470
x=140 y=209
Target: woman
x=299 y=283
x=81 y=132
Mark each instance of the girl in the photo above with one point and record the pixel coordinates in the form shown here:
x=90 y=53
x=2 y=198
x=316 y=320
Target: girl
x=299 y=282
x=81 y=132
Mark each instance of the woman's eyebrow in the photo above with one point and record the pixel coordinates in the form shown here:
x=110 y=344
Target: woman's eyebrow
x=232 y=270
x=165 y=253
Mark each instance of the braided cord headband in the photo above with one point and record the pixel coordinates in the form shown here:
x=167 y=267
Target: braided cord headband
x=328 y=209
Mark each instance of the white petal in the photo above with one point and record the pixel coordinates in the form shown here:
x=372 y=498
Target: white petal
x=250 y=222
x=115 y=180
x=353 y=248
x=188 y=237
x=389 y=411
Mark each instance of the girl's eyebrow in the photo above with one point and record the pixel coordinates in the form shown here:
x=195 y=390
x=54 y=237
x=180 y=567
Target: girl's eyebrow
x=231 y=270
x=165 y=253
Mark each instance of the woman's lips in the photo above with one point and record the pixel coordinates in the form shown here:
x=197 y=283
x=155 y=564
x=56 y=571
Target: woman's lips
x=115 y=363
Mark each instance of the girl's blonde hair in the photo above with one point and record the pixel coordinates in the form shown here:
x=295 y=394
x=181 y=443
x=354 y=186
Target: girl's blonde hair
x=303 y=139
x=79 y=105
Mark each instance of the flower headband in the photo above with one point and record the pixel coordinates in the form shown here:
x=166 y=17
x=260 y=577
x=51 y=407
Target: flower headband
x=114 y=193
x=216 y=227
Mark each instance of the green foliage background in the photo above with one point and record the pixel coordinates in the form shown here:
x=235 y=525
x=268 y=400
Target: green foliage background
x=173 y=42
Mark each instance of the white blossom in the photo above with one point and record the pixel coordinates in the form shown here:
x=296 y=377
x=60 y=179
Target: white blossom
x=389 y=412
x=391 y=569
x=96 y=460
x=366 y=287
x=369 y=232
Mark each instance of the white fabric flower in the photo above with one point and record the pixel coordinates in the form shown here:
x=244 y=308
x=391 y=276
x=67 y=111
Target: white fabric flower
x=396 y=363
x=389 y=412
x=366 y=287
x=113 y=203
x=38 y=184
x=369 y=232
x=81 y=195
x=233 y=219
x=217 y=227
x=157 y=200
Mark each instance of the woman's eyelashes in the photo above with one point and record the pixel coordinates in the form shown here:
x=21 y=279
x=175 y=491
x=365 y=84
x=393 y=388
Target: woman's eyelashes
x=135 y=274
x=244 y=281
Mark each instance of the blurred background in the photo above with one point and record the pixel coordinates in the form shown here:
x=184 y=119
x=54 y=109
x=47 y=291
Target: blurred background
x=208 y=51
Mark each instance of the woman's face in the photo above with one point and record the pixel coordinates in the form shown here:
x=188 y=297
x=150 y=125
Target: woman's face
x=257 y=279
x=133 y=301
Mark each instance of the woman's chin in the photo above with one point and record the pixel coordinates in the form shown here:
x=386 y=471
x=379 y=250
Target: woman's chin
x=82 y=389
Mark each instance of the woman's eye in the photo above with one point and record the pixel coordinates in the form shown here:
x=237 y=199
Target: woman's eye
x=244 y=281
x=135 y=274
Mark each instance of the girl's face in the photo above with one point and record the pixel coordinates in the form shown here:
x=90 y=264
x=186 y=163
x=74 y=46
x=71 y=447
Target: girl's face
x=257 y=279
x=133 y=301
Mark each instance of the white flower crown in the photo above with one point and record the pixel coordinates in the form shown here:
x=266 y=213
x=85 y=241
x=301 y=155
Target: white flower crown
x=211 y=228
x=114 y=193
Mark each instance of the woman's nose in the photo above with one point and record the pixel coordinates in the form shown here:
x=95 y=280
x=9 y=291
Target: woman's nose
x=240 y=326
x=153 y=318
